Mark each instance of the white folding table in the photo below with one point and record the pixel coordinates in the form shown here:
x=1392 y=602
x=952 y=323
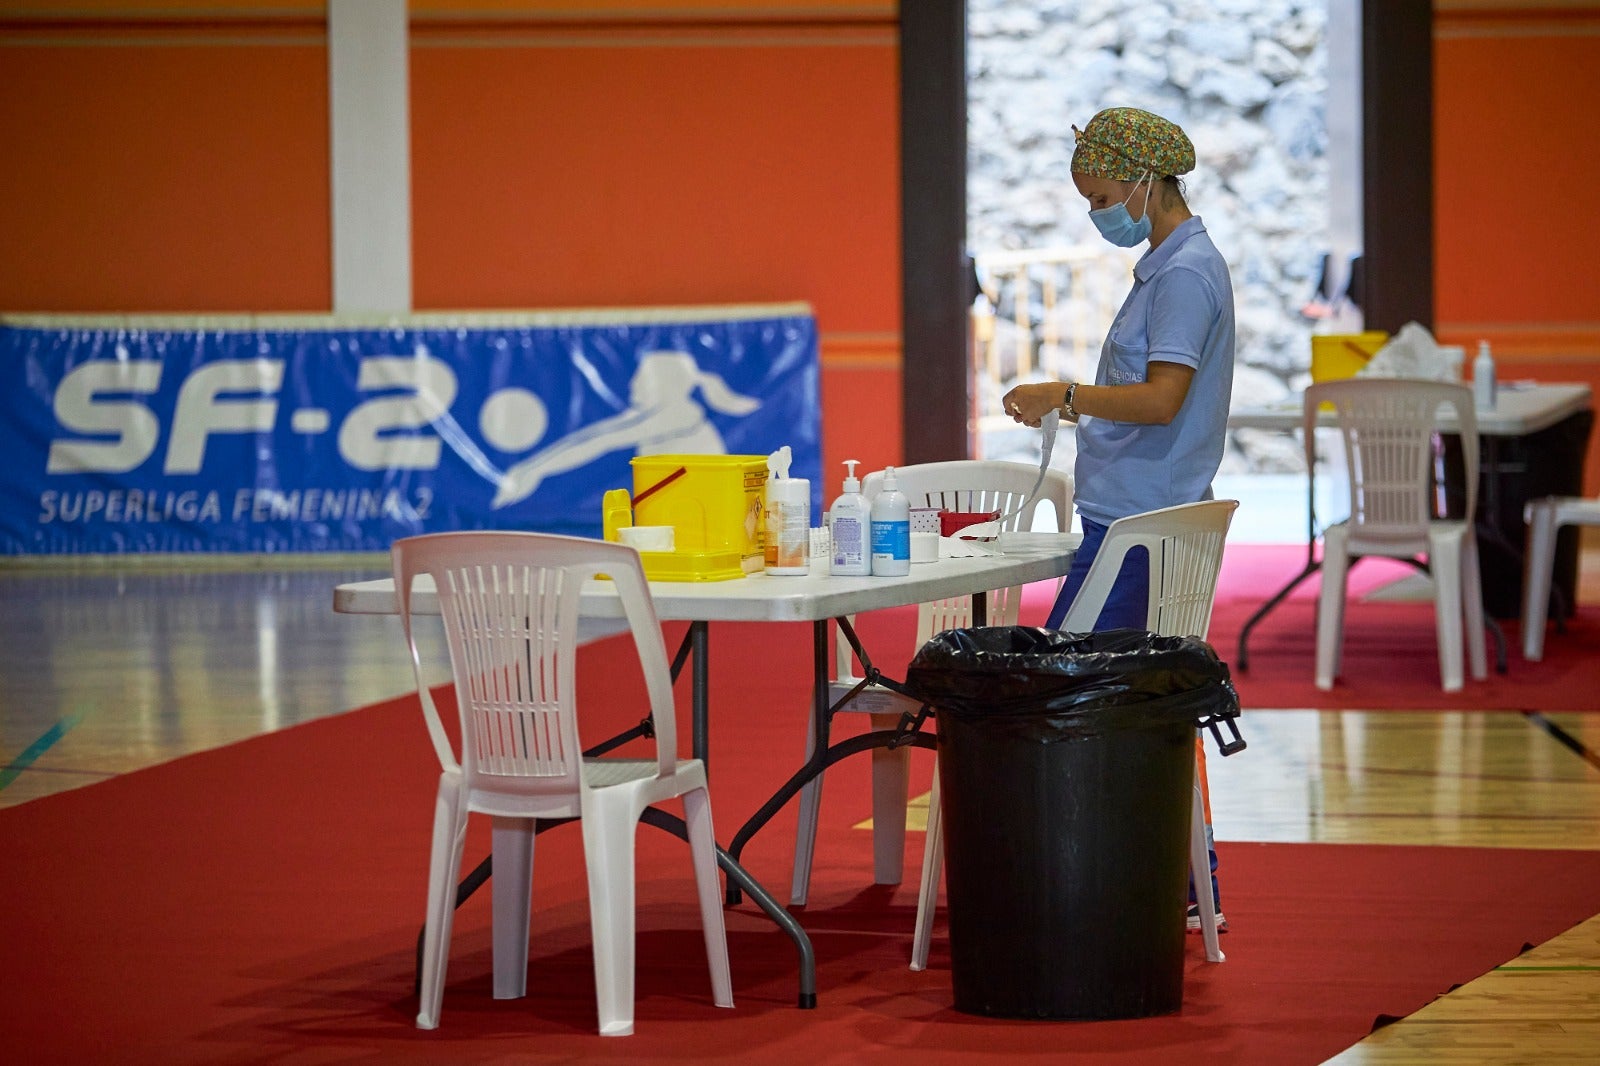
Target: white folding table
x=813 y=598
x=1520 y=408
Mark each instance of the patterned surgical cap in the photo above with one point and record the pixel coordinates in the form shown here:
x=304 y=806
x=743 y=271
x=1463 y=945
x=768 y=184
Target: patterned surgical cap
x=1125 y=143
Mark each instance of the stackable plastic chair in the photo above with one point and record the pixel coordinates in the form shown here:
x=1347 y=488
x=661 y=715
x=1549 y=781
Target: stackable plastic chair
x=1185 y=551
x=966 y=485
x=510 y=605
x=1388 y=426
x=1545 y=517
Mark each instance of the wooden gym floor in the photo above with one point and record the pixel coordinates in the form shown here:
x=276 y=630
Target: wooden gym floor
x=106 y=670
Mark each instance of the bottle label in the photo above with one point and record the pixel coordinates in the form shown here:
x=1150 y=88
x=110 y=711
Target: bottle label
x=891 y=540
x=847 y=546
x=788 y=535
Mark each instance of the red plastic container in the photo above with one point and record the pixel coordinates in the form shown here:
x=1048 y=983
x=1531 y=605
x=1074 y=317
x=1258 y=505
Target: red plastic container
x=951 y=521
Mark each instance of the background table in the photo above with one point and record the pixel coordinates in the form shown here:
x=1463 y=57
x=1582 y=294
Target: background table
x=1532 y=443
x=1521 y=409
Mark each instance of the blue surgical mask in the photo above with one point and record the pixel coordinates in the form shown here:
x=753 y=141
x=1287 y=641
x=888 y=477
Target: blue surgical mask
x=1118 y=227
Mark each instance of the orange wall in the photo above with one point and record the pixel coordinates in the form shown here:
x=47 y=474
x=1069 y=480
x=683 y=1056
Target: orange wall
x=549 y=174
x=570 y=167
x=173 y=156
x=1515 y=125
x=154 y=177
x=655 y=10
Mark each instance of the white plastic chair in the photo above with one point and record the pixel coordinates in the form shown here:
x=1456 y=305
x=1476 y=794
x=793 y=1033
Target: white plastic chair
x=510 y=607
x=1545 y=517
x=1185 y=551
x=966 y=485
x=1388 y=426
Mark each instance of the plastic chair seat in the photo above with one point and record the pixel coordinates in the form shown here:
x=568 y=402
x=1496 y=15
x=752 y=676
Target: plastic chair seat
x=1545 y=518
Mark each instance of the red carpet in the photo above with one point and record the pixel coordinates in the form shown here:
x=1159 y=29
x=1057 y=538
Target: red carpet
x=1391 y=659
x=260 y=903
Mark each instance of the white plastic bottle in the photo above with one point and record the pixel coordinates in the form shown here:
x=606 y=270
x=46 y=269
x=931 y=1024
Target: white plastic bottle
x=1484 y=389
x=850 y=529
x=891 y=529
x=788 y=546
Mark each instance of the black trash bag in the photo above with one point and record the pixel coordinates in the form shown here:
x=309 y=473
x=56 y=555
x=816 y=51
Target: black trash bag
x=1003 y=670
x=1066 y=765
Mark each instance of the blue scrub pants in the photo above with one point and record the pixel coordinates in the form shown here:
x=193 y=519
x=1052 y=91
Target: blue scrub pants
x=1128 y=605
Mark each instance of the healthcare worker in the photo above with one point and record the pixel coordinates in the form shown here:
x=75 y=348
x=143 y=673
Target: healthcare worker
x=1153 y=424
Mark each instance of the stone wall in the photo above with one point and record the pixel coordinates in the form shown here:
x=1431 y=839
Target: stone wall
x=1246 y=79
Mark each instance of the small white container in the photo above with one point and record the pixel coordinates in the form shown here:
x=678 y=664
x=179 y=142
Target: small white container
x=648 y=538
x=924 y=546
x=821 y=546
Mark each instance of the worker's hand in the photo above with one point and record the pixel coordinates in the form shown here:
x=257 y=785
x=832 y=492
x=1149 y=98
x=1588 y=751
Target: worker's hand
x=1029 y=404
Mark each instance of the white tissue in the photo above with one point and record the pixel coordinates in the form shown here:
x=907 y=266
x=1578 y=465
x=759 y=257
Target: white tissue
x=956 y=548
x=1413 y=353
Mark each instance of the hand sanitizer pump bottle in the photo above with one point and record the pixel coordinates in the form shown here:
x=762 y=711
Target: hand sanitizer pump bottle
x=1484 y=387
x=891 y=529
x=850 y=529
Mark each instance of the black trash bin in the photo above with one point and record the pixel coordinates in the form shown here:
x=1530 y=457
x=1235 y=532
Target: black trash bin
x=1066 y=764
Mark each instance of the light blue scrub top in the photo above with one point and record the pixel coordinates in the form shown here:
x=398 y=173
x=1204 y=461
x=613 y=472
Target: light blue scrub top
x=1180 y=310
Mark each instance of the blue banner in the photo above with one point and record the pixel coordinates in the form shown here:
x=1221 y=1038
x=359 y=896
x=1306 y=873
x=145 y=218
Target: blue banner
x=308 y=436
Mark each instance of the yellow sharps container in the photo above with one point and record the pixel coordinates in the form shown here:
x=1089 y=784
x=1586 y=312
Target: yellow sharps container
x=715 y=505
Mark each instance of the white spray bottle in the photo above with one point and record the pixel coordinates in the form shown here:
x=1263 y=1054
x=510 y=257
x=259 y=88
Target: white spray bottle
x=850 y=528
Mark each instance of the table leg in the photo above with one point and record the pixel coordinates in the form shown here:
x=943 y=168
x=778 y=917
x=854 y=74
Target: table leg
x=1491 y=497
x=824 y=758
x=763 y=899
x=739 y=879
x=1313 y=564
x=823 y=753
x=700 y=720
x=1242 y=662
x=817 y=739
x=1510 y=542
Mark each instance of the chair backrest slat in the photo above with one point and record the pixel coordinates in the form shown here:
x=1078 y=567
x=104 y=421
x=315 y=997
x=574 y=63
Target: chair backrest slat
x=1389 y=427
x=1185 y=556
x=510 y=686
x=510 y=605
